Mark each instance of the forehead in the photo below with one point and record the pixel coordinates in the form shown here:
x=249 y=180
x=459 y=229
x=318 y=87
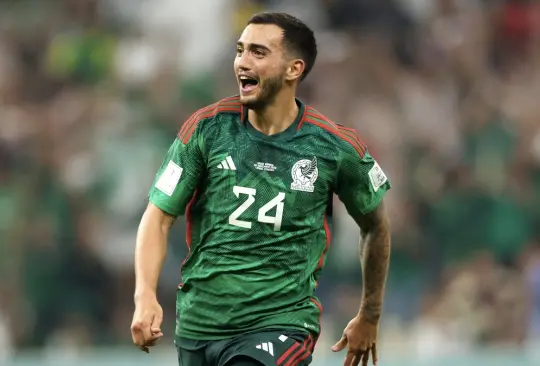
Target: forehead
x=268 y=35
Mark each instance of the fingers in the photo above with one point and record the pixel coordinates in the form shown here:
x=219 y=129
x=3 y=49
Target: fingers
x=151 y=343
x=155 y=330
x=352 y=358
x=147 y=334
x=341 y=344
x=156 y=323
x=144 y=336
x=365 y=357
x=137 y=333
x=156 y=336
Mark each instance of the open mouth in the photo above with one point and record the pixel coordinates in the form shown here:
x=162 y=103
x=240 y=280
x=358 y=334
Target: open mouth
x=248 y=84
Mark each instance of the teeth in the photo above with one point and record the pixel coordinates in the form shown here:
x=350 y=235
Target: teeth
x=245 y=78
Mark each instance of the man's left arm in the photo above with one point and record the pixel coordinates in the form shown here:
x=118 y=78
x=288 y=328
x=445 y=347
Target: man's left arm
x=374 y=249
x=361 y=185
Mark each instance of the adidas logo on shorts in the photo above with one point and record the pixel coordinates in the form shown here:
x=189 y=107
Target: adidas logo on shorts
x=266 y=346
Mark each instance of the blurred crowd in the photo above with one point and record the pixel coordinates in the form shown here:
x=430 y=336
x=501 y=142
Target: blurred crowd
x=444 y=92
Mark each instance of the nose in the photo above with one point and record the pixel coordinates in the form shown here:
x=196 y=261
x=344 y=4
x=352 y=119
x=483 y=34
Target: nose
x=243 y=62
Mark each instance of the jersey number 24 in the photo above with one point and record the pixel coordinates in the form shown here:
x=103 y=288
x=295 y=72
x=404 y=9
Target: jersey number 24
x=276 y=202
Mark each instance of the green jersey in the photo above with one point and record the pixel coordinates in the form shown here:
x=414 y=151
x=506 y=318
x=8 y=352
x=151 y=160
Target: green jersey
x=256 y=209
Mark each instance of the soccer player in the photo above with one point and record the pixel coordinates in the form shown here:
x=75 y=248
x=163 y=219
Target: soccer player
x=254 y=175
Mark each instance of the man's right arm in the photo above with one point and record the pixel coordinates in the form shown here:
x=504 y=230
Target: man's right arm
x=174 y=186
x=150 y=251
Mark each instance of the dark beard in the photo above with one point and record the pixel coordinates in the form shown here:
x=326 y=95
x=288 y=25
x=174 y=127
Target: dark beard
x=268 y=94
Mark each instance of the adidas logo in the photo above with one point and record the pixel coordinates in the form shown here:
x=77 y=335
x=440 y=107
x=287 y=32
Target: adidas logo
x=228 y=163
x=266 y=346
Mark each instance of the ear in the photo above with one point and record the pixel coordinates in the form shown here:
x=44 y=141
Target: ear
x=295 y=70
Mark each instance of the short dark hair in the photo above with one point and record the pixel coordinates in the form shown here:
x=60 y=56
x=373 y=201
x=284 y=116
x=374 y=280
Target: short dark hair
x=297 y=36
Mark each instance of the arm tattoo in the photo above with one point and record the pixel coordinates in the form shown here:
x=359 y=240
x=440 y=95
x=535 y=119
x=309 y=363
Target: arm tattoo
x=374 y=255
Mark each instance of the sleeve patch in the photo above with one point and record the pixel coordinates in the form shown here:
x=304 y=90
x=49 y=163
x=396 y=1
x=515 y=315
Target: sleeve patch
x=169 y=178
x=377 y=177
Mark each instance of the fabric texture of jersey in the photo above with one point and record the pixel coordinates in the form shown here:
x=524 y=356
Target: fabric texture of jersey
x=256 y=210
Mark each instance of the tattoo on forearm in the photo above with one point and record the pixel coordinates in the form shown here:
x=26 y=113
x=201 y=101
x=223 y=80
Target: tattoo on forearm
x=375 y=256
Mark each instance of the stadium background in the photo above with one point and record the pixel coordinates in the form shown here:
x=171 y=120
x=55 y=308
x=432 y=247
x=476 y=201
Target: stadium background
x=445 y=92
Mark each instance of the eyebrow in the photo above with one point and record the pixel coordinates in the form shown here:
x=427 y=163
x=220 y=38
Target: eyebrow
x=253 y=45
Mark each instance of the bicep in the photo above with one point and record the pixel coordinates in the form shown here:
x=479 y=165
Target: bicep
x=156 y=215
x=376 y=219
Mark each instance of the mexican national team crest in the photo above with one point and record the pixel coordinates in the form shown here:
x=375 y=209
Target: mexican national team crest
x=304 y=174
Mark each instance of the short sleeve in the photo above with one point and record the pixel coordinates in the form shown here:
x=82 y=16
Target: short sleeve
x=179 y=175
x=361 y=183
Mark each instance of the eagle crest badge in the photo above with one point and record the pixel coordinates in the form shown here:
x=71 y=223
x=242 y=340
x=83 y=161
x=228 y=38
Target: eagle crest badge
x=304 y=174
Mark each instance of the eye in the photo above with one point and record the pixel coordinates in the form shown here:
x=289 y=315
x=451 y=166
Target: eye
x=239 y=51
x=258 y=53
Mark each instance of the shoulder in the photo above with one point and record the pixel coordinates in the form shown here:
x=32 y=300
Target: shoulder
x=346 y=138
x=204 y=116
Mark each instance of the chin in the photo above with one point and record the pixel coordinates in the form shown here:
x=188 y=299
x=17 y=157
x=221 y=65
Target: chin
x=249 y=99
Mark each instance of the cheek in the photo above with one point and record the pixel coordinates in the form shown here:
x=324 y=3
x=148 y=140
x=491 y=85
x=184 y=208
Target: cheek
x=271 y=70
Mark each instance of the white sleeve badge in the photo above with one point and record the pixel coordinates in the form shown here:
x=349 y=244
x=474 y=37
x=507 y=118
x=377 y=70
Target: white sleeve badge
x=169 y=178
x=377 y=177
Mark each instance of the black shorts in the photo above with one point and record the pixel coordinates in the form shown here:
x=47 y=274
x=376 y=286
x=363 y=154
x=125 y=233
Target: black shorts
x=269 y=348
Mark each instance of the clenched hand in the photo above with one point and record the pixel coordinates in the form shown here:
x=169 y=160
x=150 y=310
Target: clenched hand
x=146 y=325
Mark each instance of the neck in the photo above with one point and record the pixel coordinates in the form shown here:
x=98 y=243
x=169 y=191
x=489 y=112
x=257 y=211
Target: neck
x=275 y=117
